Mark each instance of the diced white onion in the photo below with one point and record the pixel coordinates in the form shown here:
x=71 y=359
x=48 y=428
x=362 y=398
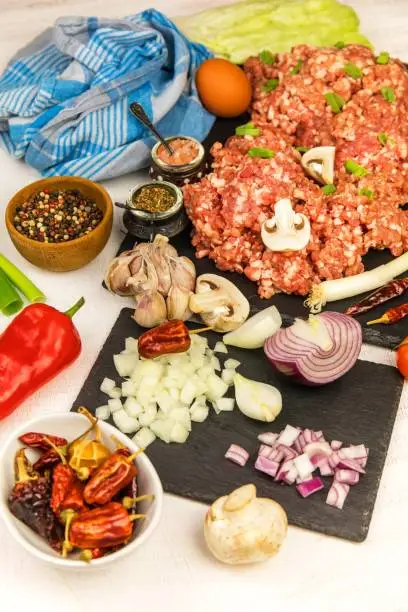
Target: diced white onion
x=199 y=412
x=227 y=376
x=220 y=348
x=115 y=393
x=132 y=345
x=232 y=364
x=224 y=403
x=124 y=422
x=107 y=385
x=125 y=363
x=102 y=413
x=128 y=388
x=132 y=407
x=144 y=437
x=188 y=393
x=148 y=416
x=179 y=433
x=114 y=405
x=216 y=387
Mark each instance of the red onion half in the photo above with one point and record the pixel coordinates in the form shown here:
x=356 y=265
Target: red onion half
x=307 y=362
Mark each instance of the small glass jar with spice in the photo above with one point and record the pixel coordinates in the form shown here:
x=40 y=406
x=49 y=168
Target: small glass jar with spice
x=155 y=208
x=186 y=165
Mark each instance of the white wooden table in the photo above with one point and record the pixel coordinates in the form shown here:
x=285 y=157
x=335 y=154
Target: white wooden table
x=173 y=571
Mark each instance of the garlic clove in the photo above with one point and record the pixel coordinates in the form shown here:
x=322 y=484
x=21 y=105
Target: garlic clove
x=183 y=273
x=118 y=274
x=150 y=309
x=177 y=304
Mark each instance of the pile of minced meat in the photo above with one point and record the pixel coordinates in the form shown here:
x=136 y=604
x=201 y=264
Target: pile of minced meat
x=229 y=205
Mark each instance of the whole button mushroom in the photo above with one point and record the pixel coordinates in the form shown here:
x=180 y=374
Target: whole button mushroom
x=219 y=302
x=243 y=528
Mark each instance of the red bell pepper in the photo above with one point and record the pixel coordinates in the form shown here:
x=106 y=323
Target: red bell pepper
x=35 y=347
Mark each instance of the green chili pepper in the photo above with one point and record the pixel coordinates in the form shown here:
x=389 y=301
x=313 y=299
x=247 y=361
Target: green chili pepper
x=353 y=167
x=335 y=101
x=352 y=70
x=260 y=152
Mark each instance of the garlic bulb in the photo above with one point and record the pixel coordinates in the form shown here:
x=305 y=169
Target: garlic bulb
x=243 y=528
x=150 y=309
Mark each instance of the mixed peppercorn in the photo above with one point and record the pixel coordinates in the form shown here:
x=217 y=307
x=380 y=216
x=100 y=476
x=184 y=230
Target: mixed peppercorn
x=57 y=216
x=86 y=501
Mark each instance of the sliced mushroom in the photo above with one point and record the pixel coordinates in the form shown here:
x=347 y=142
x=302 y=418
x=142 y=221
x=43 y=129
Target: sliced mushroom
x=319 y=164
x=286 y=230
x=219 y=302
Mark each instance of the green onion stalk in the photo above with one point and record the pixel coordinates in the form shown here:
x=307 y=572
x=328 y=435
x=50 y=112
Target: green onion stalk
x=15 y=277
x=10 y=301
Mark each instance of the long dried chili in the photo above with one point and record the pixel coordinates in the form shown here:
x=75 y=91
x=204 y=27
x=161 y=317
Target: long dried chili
x=392 y=315
x=110 y=478
x=42 y=441
x=388 y=292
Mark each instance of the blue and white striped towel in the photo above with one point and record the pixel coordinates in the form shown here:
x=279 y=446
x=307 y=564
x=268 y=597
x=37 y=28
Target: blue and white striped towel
x=64 y=99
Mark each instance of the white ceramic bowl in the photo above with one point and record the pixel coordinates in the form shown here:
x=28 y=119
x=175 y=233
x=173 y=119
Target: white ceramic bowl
x=69 y=426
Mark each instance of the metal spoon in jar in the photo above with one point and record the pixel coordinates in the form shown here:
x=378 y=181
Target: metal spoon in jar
x=139 y=112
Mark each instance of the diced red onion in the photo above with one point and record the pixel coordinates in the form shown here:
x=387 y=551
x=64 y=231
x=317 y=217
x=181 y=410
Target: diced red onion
x=303 y=465
x=290 y=477
x=287 y=452
x=362 y=462
x=307 y=362
x=349 y=477
x=309 y=487
x=336 y=444
x=318 y=436
x=318 y=448
x=274 y=454
x=237 y=454
x=268 y=437
x=285 y=468
x=350 y=464
x=334 y=460
x=353 y=452
x=337 y=494
x=263 y=464
x=308 y=435
x=324 y=468
x=288 y=435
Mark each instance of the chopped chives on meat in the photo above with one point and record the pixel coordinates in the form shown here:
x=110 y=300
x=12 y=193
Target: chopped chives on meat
x=352 y=70
x=270 y=85
x=237 y=454
x=335 y=101
x=382 y=138
x=261 y=152
x=340 y=44
x=297 y=68
x=353 y=167
x=388 y=94
x=268 y=58
x=366 y=192
x=248 y=129
x=329 y=189
x=303 y=149
x=383 y=58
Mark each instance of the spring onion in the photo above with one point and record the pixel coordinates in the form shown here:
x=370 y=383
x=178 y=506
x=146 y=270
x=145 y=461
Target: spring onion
x=266 y=57
x=248 y=129
x=349 y=286
x=382 y=138
x=20 y=280
x=253 y=333
x=261 y=152
x=383 y=58
x=296 y=69
x=366 y=192
x=335 y=101
x=329 y=189
x=317 y=351
x=340 y=44
x=10 y=301
x=303 y=149
x=352 y=70
x=388 y=94
x=354 y=168
x=270 y=85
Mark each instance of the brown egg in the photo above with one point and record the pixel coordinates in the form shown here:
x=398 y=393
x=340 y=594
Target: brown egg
x=223 y=87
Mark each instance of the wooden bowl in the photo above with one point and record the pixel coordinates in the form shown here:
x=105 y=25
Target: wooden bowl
x=62 y=256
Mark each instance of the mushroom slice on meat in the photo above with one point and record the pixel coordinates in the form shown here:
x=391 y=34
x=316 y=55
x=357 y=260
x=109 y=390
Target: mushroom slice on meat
x=219 y=302
x=286 y=230
x=319 y=164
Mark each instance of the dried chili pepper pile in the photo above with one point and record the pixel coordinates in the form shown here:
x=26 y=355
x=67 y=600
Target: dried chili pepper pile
x=77 y=495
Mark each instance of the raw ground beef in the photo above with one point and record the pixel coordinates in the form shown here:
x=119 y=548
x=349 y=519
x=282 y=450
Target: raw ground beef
x=229 y=205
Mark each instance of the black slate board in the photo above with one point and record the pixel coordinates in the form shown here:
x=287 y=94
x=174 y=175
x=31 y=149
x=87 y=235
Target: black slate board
x=383 y=336
x=359 y=408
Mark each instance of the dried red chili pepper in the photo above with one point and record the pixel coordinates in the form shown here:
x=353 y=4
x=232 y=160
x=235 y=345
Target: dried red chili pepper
x=103 y=527
x=40 y=341
x=62 y=480
x=47 y=460
x=74 y=497
x=30 y=499
x=392 y=315
x=110 y=478
x=170 y=337
x=390 y=290
x=41 y=440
